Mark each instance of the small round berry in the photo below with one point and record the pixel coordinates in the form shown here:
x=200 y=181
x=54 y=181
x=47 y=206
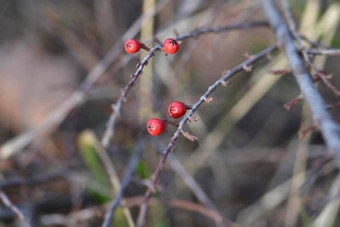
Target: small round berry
x=155 y=126
x=170 y=46
x=132 y=46
x=177 y=109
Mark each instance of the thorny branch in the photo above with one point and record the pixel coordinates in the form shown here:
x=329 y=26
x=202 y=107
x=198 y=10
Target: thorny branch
x=109 y=132
x=329 y=128
x=165 y=153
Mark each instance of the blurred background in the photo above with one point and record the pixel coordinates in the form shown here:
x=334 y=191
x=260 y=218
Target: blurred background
x=251 y=160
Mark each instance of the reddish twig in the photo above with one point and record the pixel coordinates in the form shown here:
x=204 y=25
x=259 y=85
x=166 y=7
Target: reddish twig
x=165 y=153
x=313 y=127
x=333 y=105
x=307 y=130
x=280 y=71
x=109 y=131
x=290 y=104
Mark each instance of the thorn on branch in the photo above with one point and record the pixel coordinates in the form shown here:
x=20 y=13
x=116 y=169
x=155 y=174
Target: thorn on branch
x=189 y=136
x=325 y=79
x=138 y=64
x=334 y=105
x=269 y=57
x=280 y=71
x=247 y=68
x=289 y=105
x=191 y=119
x=225 y=83
x=225 y=72
x=208 y=100
x=247 y=55
x=307 y=130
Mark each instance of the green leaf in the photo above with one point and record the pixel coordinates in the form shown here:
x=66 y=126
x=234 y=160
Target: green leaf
x=142 y=170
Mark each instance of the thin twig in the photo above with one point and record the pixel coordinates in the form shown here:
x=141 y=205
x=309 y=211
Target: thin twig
x=109 y=131
x=30 y=181
x=92 y=212
x=195 y=188
x=125 y=182
x=292 y=28
x=331 y=52
x=15 y=209
x=165 y=153
x=329 y=128
x=313 y=43
x=109 y=167
x=198 y=32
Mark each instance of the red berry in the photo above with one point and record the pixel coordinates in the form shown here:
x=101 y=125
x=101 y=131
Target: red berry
x=170 y=46
x=132 y=46
x=177 y=109
x=155 y=126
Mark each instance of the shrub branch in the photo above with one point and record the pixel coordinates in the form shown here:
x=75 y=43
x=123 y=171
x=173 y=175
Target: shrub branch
x=165 y=153
x=329 y=128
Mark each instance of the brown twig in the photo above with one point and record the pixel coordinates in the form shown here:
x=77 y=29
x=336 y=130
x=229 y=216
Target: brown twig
x=165 y=153
x=109 y=131
x=12 y=207
x=92 y=212
x=329 y=128
x=280 y=71
x=295 y=100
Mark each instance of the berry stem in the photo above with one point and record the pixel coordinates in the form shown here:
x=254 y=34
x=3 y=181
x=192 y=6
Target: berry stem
x=143 y=46
x=189 y=107
x=170 y=122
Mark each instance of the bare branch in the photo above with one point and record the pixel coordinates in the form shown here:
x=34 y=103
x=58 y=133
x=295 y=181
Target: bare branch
x=109 y=132
x=331 y=52
x=313 y=43
x=15 y=209
x=292 y=28
x=165 y=153
x=125 y=182
x=329 y=128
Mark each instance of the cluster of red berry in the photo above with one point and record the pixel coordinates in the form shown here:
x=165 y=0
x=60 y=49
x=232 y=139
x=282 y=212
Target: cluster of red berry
x=170 y=46
x=156 y=126
x=177 y=109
